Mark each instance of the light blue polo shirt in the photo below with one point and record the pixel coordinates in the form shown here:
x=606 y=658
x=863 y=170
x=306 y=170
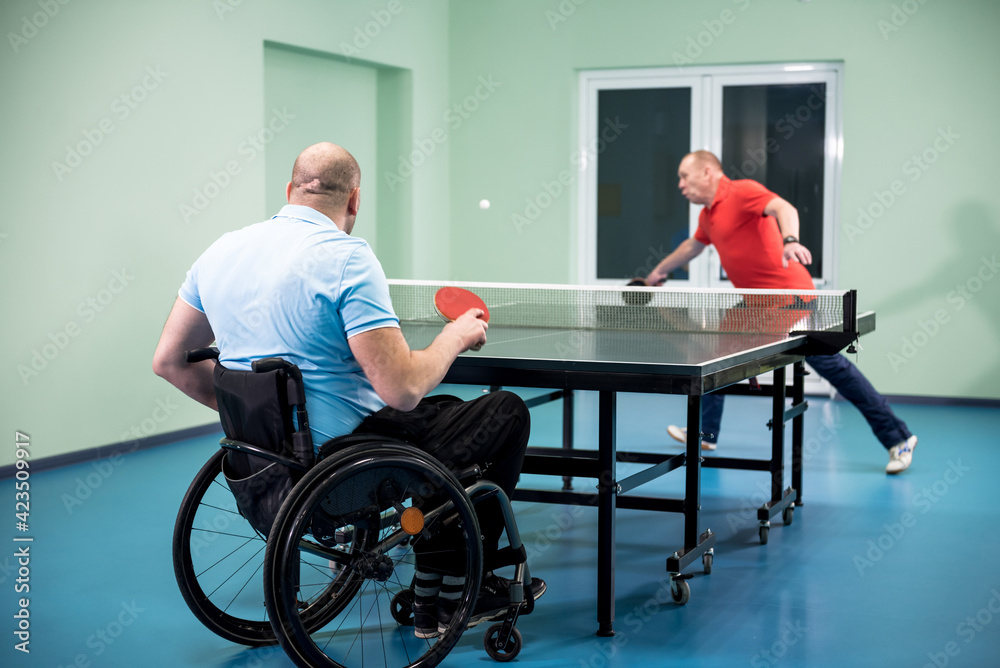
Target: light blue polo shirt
x=297 y=287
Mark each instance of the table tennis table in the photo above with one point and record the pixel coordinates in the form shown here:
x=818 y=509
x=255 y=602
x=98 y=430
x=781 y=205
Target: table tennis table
x=646 y=340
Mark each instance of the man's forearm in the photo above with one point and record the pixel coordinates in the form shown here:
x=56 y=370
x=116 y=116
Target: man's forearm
x=789 y=224
x=786 y=215
x=194 y=380
x=687 y=251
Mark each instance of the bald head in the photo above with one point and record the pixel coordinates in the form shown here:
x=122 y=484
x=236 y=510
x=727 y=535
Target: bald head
x=324 y=173
x=698 y=176
x=705 y=159
x=327 y=178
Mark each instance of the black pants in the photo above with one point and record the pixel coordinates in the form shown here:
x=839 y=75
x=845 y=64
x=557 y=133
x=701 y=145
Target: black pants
x=490 y=431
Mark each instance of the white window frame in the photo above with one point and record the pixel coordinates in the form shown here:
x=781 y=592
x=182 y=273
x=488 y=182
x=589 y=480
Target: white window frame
x=706 y=84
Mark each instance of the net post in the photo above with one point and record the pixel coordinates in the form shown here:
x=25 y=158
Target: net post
x=851 y=311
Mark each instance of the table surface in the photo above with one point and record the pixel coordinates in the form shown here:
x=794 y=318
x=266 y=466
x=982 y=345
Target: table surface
x=624 y=351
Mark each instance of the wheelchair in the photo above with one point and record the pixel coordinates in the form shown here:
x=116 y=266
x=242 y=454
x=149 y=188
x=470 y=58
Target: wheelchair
x=317 y=553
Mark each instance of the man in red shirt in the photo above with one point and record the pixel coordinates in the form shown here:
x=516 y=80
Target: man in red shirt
x=756 y=234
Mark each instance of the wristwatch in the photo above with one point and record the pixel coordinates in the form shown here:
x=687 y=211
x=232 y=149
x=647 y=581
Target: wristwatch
x=789 y=240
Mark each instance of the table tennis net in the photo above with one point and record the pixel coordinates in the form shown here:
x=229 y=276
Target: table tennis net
x=639 y=308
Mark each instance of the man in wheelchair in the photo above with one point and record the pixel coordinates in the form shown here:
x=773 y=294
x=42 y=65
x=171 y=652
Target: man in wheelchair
x=299 y=287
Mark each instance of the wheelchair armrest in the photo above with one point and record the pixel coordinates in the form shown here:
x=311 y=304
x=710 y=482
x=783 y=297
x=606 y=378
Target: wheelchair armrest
x=469 y=475
x=201 y=354
x=256 y=451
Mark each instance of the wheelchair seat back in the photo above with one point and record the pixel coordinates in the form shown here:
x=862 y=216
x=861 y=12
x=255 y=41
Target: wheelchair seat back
x=256 y=410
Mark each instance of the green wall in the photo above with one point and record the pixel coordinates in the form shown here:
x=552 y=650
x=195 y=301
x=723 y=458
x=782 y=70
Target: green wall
x=919 y=76
x=136 y=132
x=182 y=120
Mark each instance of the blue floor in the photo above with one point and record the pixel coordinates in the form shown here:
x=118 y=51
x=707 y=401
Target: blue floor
x=874 y=571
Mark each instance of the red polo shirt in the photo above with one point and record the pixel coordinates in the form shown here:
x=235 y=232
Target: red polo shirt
x=749 y=243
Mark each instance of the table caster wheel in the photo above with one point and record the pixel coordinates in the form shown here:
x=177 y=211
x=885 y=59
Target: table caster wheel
x=680 y=591
x=788 y=514
x=706 y=561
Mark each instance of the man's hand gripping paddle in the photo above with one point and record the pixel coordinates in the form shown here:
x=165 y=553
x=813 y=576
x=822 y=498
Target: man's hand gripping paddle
x=451 y=303
x=637 y=298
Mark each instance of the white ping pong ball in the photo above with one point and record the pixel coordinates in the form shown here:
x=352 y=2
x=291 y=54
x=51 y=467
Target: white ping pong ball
x=484 y=204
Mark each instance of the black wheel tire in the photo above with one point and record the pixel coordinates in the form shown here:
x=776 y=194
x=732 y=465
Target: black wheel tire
x=680 y=591
x=787 y=515
x=509 y=651
x=196 y=531
x=351 y=469
x=402 y=608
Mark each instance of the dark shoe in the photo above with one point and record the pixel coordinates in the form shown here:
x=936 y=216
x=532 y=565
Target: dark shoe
x=535 y=591
x=449 y=597
x=494 y=598
x=425 y=621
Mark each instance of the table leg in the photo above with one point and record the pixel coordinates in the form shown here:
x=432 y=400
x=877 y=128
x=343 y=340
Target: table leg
x=798 y=426
x=607 y=493
x=778 y=435
x=692 y=469
x=567 y=435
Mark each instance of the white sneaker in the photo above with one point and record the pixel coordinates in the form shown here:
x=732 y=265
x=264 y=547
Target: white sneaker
x=681 y=434
x=900 y=456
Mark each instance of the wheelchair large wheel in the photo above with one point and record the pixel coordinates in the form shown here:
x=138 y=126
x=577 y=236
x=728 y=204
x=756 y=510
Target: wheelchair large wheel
x=218 y=560
x=336 y=516
x=218 y=563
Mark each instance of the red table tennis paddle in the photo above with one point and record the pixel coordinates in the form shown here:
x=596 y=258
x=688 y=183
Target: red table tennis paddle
x=451 y=303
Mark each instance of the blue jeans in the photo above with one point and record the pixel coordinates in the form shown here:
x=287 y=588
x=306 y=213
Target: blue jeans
x=848 y=380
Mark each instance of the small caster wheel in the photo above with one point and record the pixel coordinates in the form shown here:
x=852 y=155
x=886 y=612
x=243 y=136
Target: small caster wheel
x=706 y=561
x=401 y=607
x=506 y=653
x=788 y=514
x=680 y=591
x=764 y=530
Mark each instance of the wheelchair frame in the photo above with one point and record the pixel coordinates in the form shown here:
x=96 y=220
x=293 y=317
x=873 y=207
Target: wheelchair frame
x=336 y=555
